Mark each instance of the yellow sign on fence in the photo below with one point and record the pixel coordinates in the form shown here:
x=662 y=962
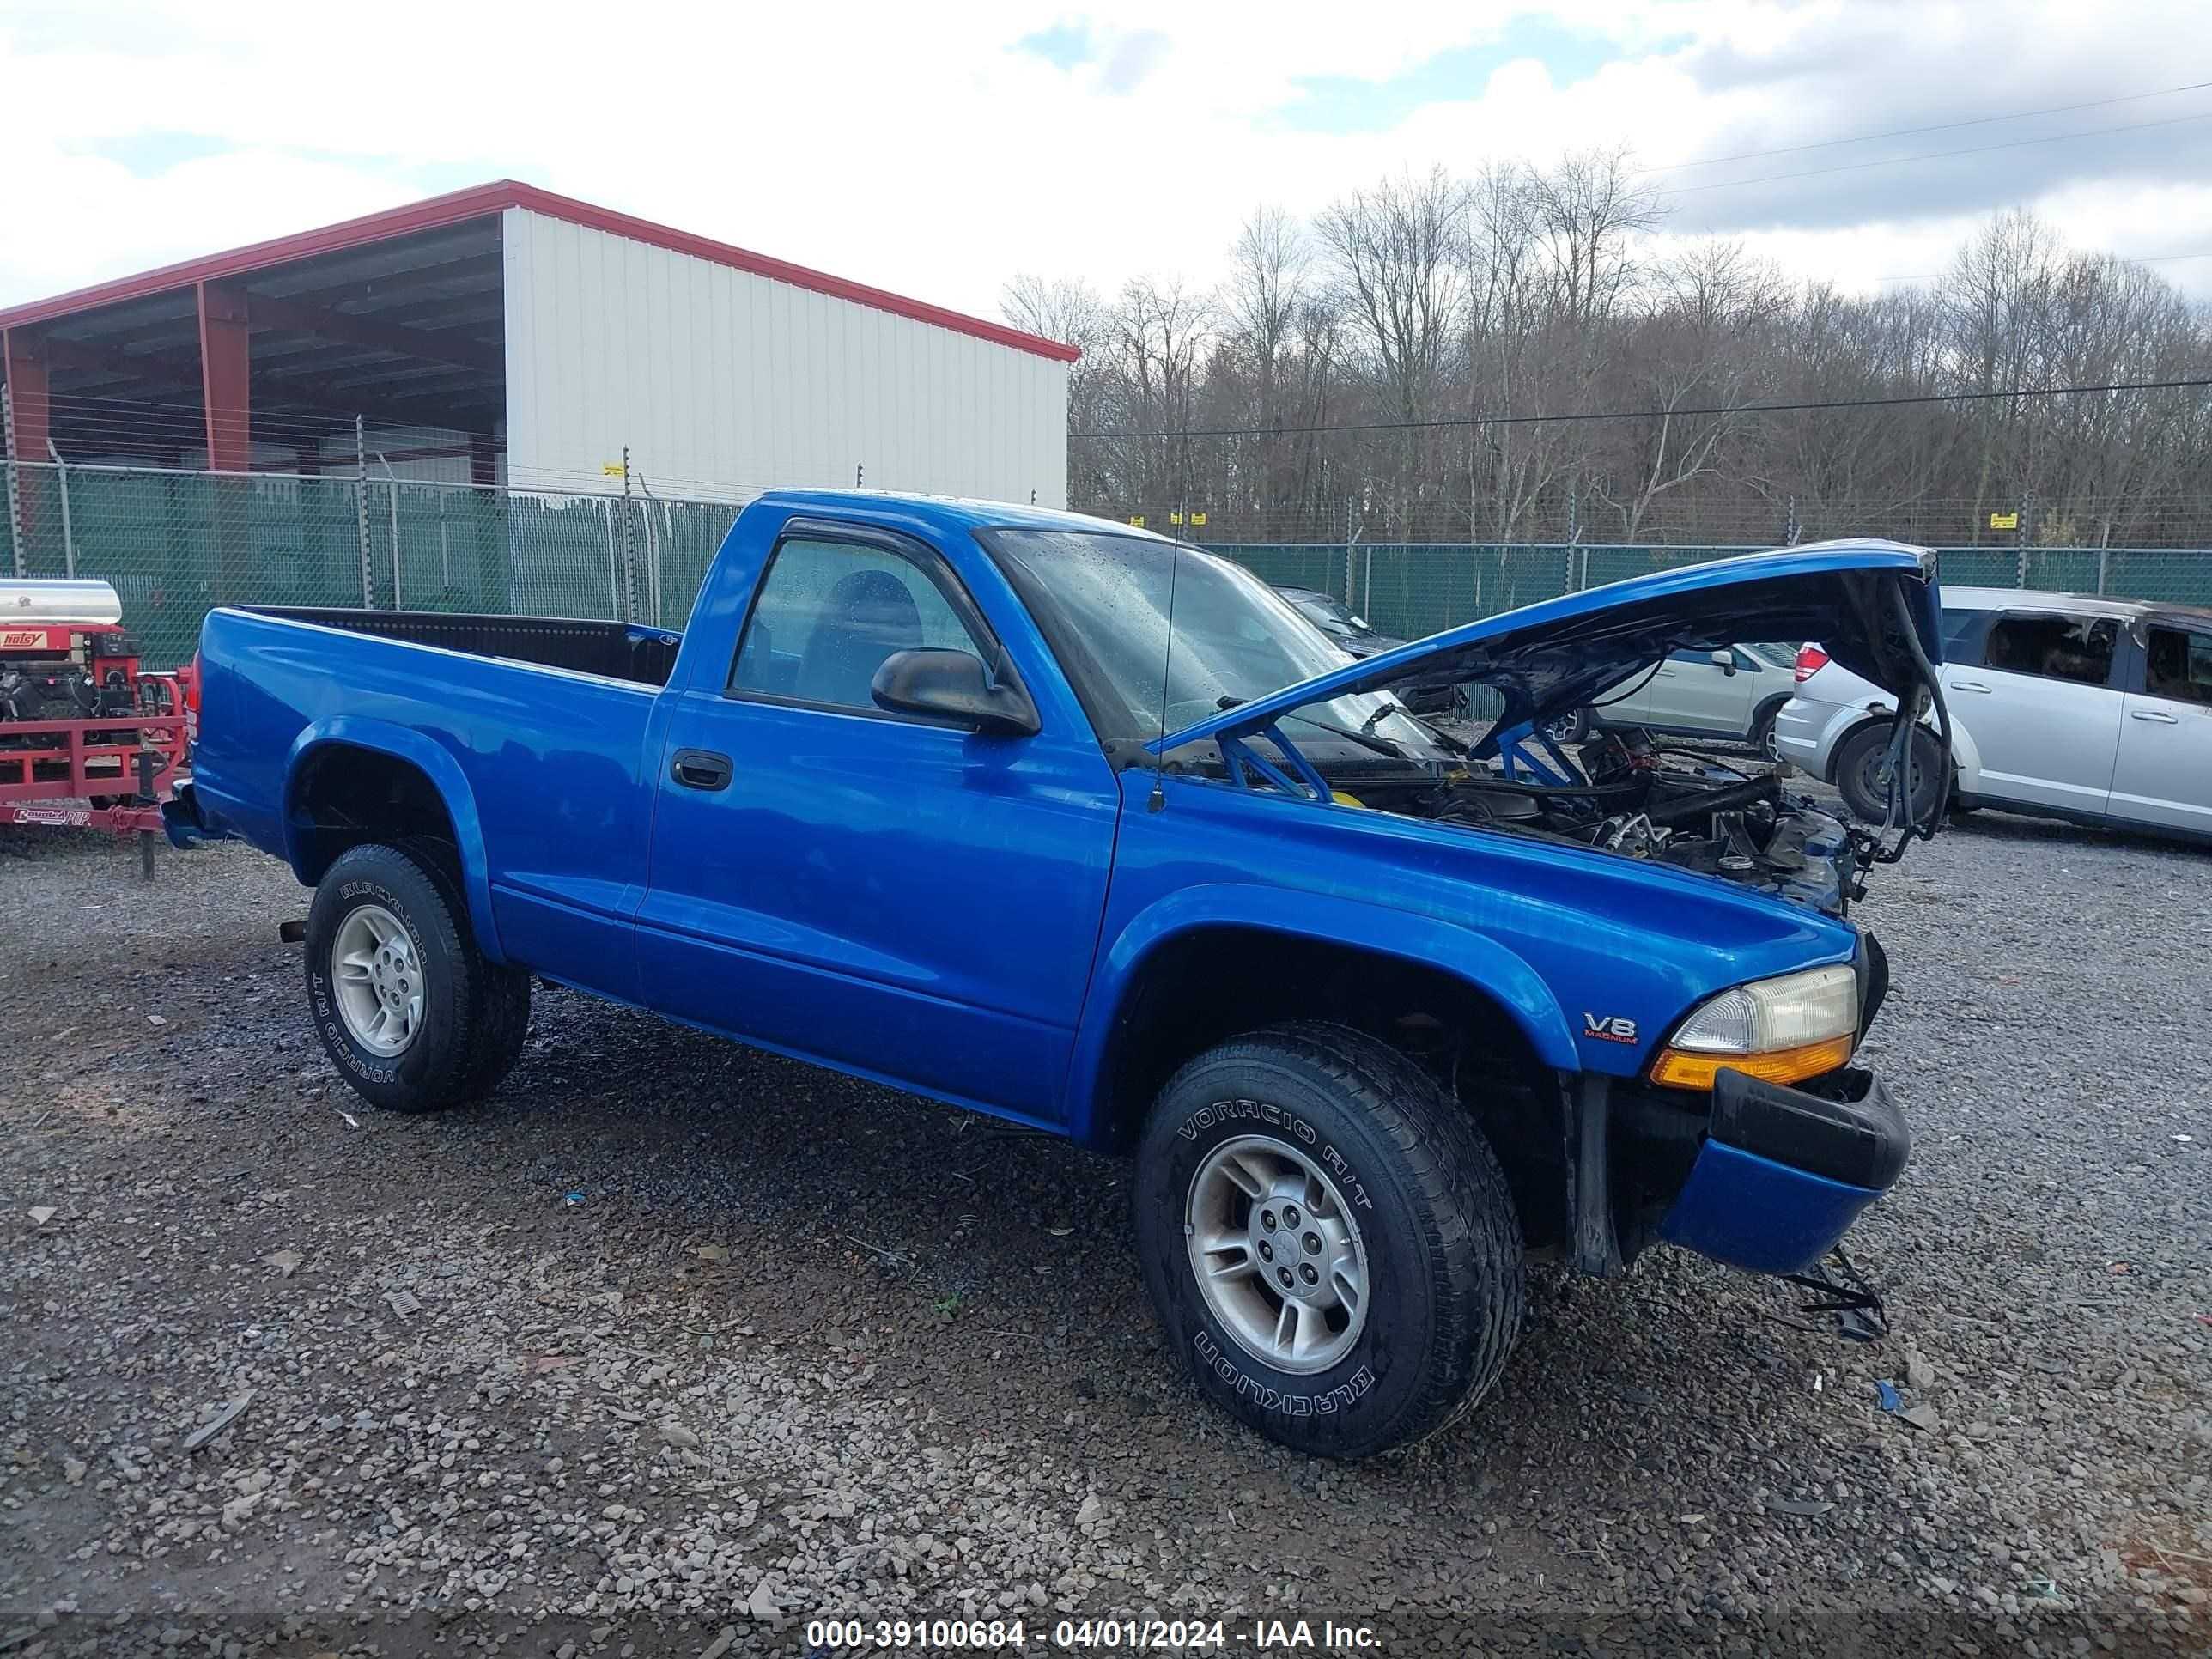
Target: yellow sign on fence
x=1136 y=520
x=2004 y=520
x=612 y=470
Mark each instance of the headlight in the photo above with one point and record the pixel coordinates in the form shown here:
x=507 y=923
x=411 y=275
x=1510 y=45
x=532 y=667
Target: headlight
x=1782 y=1030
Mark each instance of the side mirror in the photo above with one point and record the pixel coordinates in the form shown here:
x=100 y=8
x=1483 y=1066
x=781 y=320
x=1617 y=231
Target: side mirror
x=951 y=685
x=1724 y=659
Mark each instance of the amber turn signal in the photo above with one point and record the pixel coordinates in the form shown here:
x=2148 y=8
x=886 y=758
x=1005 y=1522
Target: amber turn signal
x=1674 y=1069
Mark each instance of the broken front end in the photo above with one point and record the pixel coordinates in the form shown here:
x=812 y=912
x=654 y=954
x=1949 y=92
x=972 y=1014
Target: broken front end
x=1748 y=1136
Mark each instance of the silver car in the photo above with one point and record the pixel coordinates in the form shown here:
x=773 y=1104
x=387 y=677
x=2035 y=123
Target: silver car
x=1733 y=694
x=2096 y=710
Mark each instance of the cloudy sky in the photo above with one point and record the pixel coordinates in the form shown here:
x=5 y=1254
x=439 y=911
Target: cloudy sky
x=936 y=149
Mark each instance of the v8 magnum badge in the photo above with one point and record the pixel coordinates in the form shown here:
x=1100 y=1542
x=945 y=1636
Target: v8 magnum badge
x=1609 y=1027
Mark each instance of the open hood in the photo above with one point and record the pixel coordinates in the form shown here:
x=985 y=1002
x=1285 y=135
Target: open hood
x=1546 y=659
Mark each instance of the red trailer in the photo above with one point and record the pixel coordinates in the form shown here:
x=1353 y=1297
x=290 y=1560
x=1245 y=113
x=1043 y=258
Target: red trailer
x=88 y=739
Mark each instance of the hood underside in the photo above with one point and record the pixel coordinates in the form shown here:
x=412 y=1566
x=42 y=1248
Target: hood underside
x=1548 y=659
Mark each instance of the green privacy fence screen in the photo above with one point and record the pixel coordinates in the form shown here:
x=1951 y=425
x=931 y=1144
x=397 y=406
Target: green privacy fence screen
x=1411 y=589
x=174 y=544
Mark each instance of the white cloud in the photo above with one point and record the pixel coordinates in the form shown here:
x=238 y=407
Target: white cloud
x=916 y=147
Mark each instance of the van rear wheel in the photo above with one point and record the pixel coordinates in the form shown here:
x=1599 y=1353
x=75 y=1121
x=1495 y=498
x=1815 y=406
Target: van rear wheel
x=1328 y=1240
x=1863 y=775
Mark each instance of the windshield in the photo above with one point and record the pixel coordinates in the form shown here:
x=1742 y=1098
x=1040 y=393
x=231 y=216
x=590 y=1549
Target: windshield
x=1323 y=610
x=1103 y=600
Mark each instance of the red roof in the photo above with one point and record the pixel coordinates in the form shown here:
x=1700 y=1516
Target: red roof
x=481 y=200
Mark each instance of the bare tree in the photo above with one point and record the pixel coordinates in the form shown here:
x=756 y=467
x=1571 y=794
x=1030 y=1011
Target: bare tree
x=1521 y=295
x=1589 y=210
x=1396 y=248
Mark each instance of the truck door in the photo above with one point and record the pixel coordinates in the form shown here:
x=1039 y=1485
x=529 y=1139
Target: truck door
x=2164 y=775
x=867 y=887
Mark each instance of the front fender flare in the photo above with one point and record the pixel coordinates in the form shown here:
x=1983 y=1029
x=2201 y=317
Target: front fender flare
x=438 y=764
x=1481 y=961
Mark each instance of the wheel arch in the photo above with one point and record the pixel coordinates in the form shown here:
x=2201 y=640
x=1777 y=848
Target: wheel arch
x=350 y=780
x=1141 y=1020
x=1965 y=759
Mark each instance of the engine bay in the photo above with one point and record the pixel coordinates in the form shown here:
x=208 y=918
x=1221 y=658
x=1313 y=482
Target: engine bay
x=1622 y=794
x=1663 y=807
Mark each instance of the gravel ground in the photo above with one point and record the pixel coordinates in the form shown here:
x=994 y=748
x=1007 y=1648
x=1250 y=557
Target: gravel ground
x=673 y=1347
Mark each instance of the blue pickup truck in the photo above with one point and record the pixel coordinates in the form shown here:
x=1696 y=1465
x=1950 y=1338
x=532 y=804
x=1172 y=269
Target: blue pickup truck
x=1050 y=819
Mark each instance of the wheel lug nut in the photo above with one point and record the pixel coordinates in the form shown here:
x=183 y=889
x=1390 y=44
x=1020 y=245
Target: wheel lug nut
x=1266 y=1251
x=1285 y=1275
x=1289 y=1215
x=1306 y=1272
x=1267 y=1219
x=1312 y=1241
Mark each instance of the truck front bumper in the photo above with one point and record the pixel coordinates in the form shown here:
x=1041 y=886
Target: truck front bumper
x=1785 y=1172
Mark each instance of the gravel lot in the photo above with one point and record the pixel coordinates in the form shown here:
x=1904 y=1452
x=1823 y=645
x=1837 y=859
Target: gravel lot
x=671 y=1343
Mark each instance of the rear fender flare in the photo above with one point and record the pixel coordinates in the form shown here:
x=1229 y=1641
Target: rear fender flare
x=435 y=762
x=1482 y=962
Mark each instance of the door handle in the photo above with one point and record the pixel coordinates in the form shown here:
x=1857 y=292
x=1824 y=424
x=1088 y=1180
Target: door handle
x=1969 y=685
x=2158 y=714
x=1666 y=674
x=700 y=769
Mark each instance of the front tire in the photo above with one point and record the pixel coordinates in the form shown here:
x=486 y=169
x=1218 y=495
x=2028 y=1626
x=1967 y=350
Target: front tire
x=1763 y=739
x=1571 y=727
x=408 y=1009
x=1363 y=1266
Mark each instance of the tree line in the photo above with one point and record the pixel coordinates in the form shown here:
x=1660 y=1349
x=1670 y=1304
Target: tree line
x=1527 y=291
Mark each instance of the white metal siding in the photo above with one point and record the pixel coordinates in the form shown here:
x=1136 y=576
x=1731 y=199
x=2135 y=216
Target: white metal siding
x=723 y=384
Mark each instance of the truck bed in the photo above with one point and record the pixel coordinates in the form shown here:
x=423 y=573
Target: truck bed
x=620 y=651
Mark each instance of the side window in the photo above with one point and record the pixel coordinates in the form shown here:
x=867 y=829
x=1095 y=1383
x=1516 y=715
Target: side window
x=2179 y=665
x=2078 y=648
x=828 y=615
x=1959 y=629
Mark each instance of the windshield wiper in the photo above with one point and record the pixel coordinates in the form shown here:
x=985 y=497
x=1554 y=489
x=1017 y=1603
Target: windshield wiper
x=1381 y=714
x=1366 y=740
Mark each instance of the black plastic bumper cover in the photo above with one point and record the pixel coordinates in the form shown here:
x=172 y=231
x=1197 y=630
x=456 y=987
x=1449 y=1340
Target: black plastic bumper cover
x=1842 y=1126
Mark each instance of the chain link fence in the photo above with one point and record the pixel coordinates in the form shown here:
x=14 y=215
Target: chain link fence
x=174 y=544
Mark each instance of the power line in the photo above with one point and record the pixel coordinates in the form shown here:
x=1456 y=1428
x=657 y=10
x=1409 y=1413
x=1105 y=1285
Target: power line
x=1940 y=126
x=1457 y=421
x=1933 y=155
x=2125 y=260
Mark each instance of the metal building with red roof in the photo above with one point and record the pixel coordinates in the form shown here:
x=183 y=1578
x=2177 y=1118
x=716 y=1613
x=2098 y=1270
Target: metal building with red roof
x=506 y=334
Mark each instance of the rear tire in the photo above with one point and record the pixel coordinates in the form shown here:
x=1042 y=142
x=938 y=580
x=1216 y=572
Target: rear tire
x=408 y=1009
x=1339 y=1138
x=1863 y=773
